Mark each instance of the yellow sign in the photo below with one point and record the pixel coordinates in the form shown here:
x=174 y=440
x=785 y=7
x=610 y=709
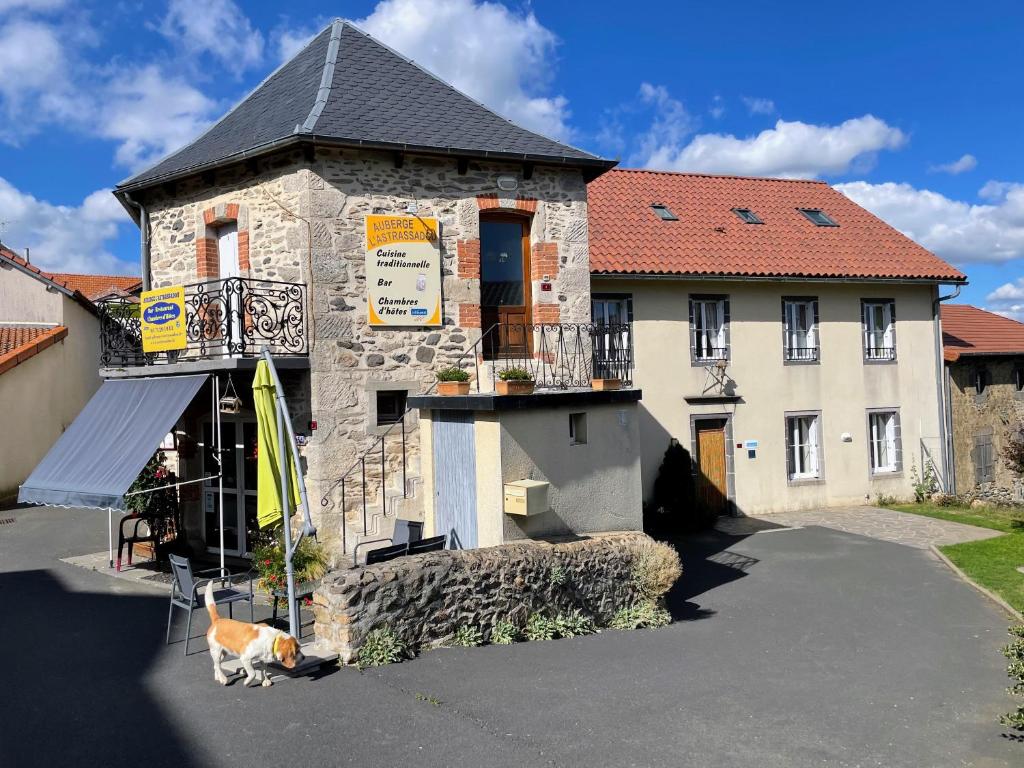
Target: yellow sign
x=162 y=319
x=403 y=270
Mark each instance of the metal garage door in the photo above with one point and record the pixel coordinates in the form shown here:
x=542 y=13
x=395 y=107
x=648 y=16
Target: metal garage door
x=455 y=477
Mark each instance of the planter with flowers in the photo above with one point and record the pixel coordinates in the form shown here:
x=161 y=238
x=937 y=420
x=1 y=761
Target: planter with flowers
x=514 y=381
x=452 y=381
x=310 y=563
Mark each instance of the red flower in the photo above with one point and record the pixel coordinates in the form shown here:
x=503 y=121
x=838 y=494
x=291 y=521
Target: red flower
x=266 y=562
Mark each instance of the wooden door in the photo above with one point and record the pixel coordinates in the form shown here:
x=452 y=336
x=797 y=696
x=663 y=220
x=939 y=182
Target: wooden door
x=505 y=291
x=712 y=485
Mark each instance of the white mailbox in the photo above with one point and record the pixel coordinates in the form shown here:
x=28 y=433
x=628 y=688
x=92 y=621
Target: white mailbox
x=526 y=497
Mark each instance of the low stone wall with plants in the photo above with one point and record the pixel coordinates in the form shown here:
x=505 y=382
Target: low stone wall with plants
x=519 y=591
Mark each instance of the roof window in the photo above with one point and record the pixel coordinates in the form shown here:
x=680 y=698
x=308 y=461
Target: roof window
x=663 y=212
x=818 y=217
x=748 y=216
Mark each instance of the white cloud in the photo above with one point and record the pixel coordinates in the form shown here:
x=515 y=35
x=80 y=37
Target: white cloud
x=964 y=164
x=759 y=106
x=790 y=149
x=671 y=123
x=500 y=57
x=957 y=231
x=31 y=5
x=216 y=27
x=288 y=41
x=32 y=61
x=717 y=108
x=64 y=238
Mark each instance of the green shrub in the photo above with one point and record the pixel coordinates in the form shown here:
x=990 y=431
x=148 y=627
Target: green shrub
x=656 y=568
x=504 y=632
x=452 y=373
x=573 y=624
x=559 y=574
x=644 y=614
x=925 y=485
x=885 y=500
x=381 y=646
x=515 y=373
x=674 y=508
x=1014 y=652
x=310 y=561
x=540 y=627
x=466 y=637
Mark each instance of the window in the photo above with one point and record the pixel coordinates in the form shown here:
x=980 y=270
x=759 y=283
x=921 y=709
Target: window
x=663 y=212
x=879 y=317
x=981 y=380
x=577 y=429
x=984 y=458
x=802 y=450
x=613 y=348
x=748 y=216
x=884 y=441
x=709 y=320
x=818 y=217
x=390 y=406
x=800 y=329
x=1018 y=379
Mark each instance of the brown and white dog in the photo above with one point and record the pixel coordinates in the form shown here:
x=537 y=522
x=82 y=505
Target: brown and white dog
x=251 y=643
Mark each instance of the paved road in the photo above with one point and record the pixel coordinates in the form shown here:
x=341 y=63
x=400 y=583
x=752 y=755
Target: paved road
x=807 y=647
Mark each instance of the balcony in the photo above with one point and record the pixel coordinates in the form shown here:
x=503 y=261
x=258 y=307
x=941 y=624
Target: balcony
x=226 y=320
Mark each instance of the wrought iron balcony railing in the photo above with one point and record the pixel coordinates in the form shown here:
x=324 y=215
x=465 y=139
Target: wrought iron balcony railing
x=802 y=354
x=234 y=317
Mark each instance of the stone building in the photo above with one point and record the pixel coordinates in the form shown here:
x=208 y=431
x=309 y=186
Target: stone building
x=262 y=219
x=984 y=389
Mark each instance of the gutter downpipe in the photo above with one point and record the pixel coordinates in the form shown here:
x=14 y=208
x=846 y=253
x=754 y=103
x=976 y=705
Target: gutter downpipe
x=945 y=426
x=143 y=239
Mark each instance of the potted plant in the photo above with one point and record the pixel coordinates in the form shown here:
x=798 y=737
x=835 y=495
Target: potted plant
x=605 y=383
x=452 y=381
x=310 y=564
x=514 y=381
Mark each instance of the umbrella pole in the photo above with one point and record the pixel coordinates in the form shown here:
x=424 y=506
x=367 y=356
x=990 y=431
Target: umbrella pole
x=110 y=535
x=289 y=553
x=220 y=467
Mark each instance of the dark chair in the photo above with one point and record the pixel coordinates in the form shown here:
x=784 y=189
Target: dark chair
x=186 y=592
x=384 y=554
x=406 y=532
x=133 y=521
x=432 y=544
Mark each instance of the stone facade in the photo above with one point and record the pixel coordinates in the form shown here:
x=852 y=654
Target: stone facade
x=300 y=219
x=425 y=598
x=981 y=419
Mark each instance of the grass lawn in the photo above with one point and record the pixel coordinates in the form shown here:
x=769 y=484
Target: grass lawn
x=992 y=563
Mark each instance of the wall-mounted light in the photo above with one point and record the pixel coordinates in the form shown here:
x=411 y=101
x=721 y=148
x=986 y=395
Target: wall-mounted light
x=508 y=183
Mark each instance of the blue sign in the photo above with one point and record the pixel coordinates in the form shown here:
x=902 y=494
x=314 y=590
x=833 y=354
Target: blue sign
x=161 y=312
x=419 y=311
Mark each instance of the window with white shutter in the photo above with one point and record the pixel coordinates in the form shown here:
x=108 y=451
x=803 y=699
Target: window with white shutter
x=800 y=329
x=884 y=441
x=803 y=451
x=879 y=325
x=709 y=334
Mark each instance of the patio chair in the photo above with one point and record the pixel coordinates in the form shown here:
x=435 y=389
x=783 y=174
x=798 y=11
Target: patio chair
x=186 y=592
x=135 y=537
x=433 y=544
x=384 y=554
x=406 y=532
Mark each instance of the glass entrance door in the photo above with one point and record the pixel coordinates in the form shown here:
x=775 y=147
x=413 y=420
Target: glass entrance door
x=238 y=435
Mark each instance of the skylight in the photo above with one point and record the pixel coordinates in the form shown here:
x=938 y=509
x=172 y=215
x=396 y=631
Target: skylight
x=748 y=216
x=663 y=212
x=819 y=217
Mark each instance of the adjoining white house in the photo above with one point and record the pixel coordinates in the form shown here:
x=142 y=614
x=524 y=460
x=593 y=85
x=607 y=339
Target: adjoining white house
x=788 y=338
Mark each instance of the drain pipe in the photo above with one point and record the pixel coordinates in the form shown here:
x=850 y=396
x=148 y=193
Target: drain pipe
x=143 y=239
x=945 y=430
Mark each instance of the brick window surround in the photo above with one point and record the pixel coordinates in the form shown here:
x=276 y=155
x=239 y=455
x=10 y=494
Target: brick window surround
x=207 y=255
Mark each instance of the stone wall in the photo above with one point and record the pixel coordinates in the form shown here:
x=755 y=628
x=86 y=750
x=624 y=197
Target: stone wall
x=993 y=412
x=300 y=218
x=425 y=598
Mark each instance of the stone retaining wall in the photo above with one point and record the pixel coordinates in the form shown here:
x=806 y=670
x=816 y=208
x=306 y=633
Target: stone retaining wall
x=425 y=598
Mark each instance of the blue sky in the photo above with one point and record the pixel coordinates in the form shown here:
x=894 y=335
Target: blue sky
x=913 y=109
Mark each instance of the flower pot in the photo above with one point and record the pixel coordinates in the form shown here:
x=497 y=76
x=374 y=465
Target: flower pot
x=605 y=384
x=453 y=387
x=517 y=387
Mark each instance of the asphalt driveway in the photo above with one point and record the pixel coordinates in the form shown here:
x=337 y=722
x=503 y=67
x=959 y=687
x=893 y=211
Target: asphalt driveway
x=806 y=647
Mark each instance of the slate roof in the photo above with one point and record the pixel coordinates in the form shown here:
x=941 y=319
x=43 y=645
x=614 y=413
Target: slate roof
x=20 y=342
x=627 y=237
x=347 y=89
x=968 y=330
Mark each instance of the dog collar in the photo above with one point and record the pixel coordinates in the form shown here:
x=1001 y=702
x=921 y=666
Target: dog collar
x=274 y=650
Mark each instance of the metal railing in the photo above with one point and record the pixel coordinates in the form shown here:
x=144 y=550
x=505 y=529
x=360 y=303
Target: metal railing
x=802 y=354
x=703 y=354
x=234 y=317
x=558 y=355
x=880 y=353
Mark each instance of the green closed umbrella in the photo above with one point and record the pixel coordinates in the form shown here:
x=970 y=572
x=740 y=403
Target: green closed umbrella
x=268 y=452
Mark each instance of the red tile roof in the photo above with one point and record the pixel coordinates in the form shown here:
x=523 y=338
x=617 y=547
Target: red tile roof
x=20 y=342
x=967 y=330
x=97 y=286
x=627 y=237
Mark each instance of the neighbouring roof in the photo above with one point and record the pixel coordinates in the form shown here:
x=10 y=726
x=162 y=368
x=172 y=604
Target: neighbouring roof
x=968 y=330
x=709 y=238
x=347 y=89
x=95 y=287
x=20 y=342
